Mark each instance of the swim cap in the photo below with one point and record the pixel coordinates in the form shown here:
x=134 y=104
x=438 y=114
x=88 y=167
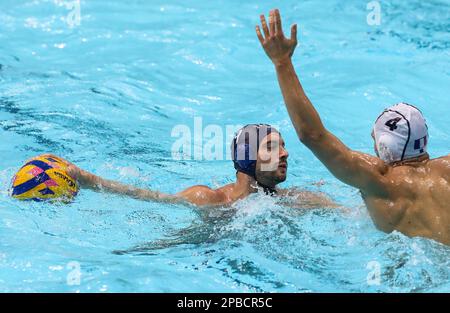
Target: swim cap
x=245 y=146
x=401 y=133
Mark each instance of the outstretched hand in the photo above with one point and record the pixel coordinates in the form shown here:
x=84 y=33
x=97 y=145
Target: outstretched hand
x=72 y=170
x=276 y=46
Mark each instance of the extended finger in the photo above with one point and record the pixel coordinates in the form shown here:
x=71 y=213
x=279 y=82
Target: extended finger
x=264 y=25
x=278 y=26
x=260 y=36
x=294 y=32
x=272 y=23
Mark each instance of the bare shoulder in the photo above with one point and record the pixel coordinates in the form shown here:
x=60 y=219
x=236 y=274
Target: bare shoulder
x=443 y=158
x=446 y=161
x=442 y=165
x=201 y=195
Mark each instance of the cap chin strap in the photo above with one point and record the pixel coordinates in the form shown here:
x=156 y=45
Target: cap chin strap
x=271 y=191
x=412 y=161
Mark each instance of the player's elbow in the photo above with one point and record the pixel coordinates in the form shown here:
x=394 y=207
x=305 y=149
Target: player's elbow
x=311 y=138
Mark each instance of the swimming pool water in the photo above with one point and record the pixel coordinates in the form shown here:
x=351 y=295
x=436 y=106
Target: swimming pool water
x=107 y=93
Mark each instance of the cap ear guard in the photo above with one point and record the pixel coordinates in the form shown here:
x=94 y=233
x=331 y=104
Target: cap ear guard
x=244 y=160
x=387 y=148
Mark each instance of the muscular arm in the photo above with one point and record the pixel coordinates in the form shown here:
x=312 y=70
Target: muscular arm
x=90 y=181
x=354 y=168
x=357 y=169
x=196 y=195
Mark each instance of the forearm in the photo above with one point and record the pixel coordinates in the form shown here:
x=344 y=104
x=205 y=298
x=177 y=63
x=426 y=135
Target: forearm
x=94 y=182
x=305 y=118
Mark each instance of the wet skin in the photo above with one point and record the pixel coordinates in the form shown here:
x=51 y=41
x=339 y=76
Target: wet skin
x=271 y=169
x=417 y=200
x=412 y=197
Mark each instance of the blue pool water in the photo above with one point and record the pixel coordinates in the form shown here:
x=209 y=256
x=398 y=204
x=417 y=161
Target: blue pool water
x=107 y=93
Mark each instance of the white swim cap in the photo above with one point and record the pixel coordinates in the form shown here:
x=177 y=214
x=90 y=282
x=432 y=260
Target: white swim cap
x=401 y=133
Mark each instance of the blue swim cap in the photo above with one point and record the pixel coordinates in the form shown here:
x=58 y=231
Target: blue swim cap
x=245 y=146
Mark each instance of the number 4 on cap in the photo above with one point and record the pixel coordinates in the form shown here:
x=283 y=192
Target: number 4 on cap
x=392 y=124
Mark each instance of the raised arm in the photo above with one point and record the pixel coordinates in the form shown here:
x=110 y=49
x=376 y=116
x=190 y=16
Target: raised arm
x=357 y=169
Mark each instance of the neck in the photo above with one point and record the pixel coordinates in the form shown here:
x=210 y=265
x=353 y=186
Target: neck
x=413 y=161
x=245 y=185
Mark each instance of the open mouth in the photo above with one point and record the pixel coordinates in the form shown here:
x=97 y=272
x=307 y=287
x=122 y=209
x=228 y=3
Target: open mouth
x=283 y=165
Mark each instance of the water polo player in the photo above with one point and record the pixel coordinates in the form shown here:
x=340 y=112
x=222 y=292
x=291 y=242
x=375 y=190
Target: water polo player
x=260 y=159
x=403 y=188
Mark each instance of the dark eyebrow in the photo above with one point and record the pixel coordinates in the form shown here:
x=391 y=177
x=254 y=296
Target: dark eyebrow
x=273 y=140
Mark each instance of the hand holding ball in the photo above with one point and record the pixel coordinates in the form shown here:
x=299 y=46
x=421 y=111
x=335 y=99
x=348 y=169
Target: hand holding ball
x=42 y=178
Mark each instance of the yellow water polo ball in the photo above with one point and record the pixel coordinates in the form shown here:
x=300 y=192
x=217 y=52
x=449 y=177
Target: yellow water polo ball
x=44 y=178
